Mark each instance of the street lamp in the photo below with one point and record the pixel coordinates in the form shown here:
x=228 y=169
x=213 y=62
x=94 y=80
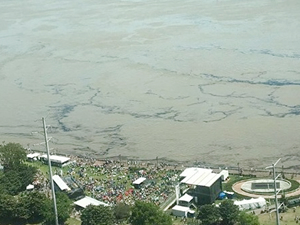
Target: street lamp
x=50 y=172
x=275 y=190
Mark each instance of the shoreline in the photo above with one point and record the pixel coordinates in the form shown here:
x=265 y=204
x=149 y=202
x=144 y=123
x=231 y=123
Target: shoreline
x=233 y=169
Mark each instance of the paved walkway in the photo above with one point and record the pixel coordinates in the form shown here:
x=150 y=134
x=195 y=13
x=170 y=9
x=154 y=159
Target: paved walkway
x=237 y=187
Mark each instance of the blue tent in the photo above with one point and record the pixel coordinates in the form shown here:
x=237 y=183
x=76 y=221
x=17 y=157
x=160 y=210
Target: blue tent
x=222 y=195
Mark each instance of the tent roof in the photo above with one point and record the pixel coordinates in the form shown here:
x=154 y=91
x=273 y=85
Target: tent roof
x=57 y=158
x=224 y=173
x=29 y=187
x=203 y=177
x=139 y=181
x=60 y=183
x=186 y=198
x=32 y=155
x=251 y=203
x=84 y=202
x=191 y=171
x=183 y=209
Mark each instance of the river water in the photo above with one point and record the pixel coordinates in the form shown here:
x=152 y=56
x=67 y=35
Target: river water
x=212 y=81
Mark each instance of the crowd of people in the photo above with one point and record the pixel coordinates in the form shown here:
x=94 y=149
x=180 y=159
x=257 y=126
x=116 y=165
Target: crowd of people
x=111 y=181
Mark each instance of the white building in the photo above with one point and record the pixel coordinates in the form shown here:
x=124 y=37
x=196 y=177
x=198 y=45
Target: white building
x=205 y=185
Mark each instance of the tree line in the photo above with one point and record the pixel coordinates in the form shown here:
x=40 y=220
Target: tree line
x=18 y=206
x=143 y=213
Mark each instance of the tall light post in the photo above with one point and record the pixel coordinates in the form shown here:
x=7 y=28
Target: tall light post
x=50 y=171
x=275 y=190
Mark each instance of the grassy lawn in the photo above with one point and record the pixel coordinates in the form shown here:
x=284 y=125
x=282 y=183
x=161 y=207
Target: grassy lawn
x=268 y=219
x=265 y=219
x=73 y=221
x=287 y=217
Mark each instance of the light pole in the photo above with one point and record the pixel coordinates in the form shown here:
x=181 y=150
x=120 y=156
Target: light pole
x=50 y=172
x=275 y=189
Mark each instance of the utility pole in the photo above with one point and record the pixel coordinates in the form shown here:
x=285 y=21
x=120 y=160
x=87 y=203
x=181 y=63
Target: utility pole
x=275 y=190
x=50 y=171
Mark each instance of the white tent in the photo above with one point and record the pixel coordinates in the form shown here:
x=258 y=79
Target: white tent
x=84 y=202
x=191 y=171
x=252 y=203
x=181 y=211
x=33 y=156
x=139 y=181
x=56 y=159
x=60 y=183
x=186 y=198
x=224 y=174
x=29 y=187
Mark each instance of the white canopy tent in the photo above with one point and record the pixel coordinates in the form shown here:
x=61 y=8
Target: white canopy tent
x=33 y=156
x=29 y=187
x=188 y=172
x=139 y=181
x=60 y=183
x=84 y=202
x=224 y=174
x=186 y=198
x=252 y=203
x=181 y=211
x=56 y=158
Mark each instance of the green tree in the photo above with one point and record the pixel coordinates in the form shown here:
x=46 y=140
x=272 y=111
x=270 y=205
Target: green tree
x=208 y=214
x=121 y=211
x=32 y=207
x=17 y=175
x=8 y=206
x=10 y=182
x=15 y=180
x=228 y=212
x=12 y=155
x=148 y=214
x=26 y=175
x=63 y=209
x=247 y=219
x=97 y=215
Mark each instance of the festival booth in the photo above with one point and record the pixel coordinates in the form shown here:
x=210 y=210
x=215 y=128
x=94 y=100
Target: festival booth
x=56 y=160
x=182 y=211
x=224 y=174
x=84 y=202
x=185 y=200
x=29 y=187
x=60 y=184
x=252 y=203
x=138 y=183
x=33 y=156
